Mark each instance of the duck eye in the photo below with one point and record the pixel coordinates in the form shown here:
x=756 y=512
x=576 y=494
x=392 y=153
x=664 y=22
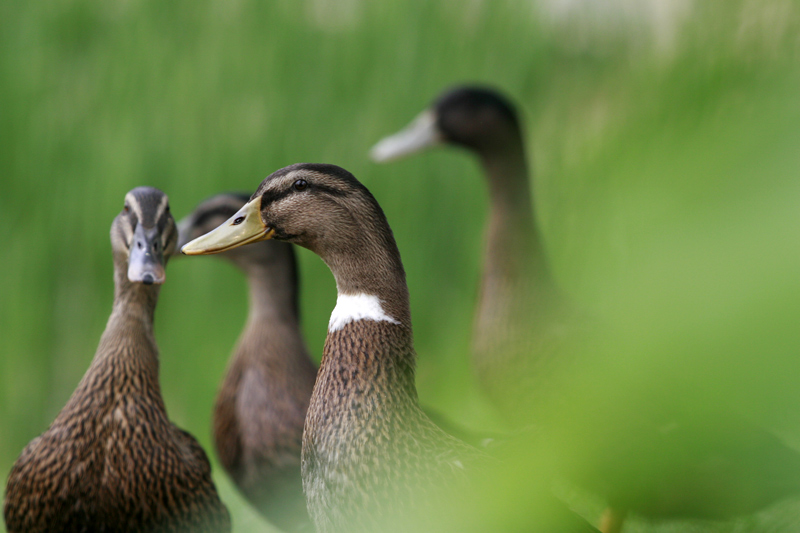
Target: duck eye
x=300 y=185
x=238 y=221
x=127 y=208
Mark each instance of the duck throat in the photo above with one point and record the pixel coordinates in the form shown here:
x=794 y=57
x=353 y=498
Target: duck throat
x=512 y=238
x=129 y=335
x=273 y=295
x=370 y=279
x=134 y=300
x=369 y=355
x=355 y=307
x=515 y=264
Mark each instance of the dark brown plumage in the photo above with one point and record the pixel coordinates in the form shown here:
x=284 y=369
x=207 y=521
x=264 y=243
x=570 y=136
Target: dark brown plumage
x=262 y=402
x=365 y=427
x=112 y=461
x=370 y=455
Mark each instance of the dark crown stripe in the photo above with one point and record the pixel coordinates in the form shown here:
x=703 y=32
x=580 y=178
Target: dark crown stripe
x=273 y=196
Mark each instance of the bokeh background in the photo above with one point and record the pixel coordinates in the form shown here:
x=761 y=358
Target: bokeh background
x=665 y=145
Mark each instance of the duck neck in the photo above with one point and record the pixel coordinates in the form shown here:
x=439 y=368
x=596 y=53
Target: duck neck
x=514 y=246
x=272 y=293
x=370 y=333
x=134 y=304
x=371 y=267
x=129 y=331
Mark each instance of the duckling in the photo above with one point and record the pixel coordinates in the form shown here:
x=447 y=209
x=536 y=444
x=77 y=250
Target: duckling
x=368 y=448
x=112 y=460
x=262 y=402
x=521 y=316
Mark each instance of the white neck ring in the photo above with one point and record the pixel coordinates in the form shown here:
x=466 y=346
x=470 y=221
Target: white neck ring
x=355 y=307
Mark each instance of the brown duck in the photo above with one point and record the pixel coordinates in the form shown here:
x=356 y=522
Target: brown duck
x=521 y=317
x=112 y=460
x=262 y=402
x=368 y=449
x=718 y=466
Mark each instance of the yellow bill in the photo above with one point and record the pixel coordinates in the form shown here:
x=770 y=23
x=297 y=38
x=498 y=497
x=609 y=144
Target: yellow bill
x=242 y=228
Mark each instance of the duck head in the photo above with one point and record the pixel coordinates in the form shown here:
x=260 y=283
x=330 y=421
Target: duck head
x=319 y=207
x=144 y=235
x=473 y=117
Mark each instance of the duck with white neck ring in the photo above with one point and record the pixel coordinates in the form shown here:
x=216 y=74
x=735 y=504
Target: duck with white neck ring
x=367 y=446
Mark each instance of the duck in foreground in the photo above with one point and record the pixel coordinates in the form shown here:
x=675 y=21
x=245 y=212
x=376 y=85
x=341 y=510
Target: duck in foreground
x=370 y=455
x=261 y=406
x=521 y=316
x=112 y=460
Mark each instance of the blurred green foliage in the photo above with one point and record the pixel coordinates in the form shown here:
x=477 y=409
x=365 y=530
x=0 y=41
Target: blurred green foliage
x=664 y=144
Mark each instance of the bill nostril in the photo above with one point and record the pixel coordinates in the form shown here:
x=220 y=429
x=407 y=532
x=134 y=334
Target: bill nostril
x=139 y=244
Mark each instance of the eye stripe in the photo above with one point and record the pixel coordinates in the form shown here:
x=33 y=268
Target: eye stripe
x=269 y=196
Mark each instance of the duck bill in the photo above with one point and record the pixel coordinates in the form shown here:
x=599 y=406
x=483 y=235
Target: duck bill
x=420 y=134
x=146 y=257
x=242 y=228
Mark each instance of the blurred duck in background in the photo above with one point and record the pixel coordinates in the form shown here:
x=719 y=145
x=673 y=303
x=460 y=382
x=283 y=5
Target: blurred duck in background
x=370 y=454
x=112 y=460
x=262 y=402
x=713 y=466
x=522 y=317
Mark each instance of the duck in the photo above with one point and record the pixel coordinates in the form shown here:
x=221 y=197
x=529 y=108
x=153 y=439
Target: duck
x=368 y=448
x=261 y=406
x=522 y=317
x=720 y=465
x=112 y=460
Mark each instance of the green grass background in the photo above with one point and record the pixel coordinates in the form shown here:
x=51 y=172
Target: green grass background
x=666 y=160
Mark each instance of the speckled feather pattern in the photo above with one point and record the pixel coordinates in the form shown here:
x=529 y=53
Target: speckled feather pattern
x=371 y=459
x=369 y=453
x=112 y=461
